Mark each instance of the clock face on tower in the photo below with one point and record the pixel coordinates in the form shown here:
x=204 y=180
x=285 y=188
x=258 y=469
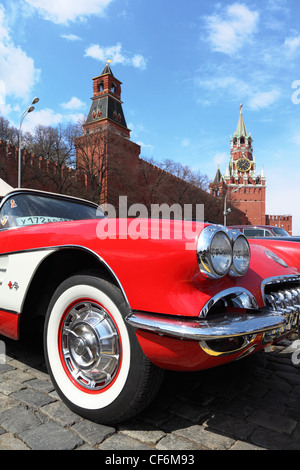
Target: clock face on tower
x=243 y=164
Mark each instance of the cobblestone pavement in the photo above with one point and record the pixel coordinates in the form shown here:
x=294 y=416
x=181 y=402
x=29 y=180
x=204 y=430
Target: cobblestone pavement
x=250 y=404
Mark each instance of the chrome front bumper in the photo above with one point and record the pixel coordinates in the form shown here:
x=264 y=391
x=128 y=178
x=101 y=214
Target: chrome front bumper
x=279 y=316
x=230 y=325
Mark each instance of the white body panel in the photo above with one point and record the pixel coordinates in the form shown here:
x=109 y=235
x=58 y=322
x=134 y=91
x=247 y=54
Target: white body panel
x=16 y=272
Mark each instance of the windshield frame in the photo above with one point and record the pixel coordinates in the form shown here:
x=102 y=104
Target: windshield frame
x=276 y=231
x=51 y=196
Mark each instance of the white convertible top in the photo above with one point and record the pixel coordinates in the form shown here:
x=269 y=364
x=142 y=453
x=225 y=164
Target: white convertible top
x=4 y=188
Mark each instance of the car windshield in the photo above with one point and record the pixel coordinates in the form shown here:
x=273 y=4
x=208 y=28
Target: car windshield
x=21 y=210
x=280 y=232
x=256 y=232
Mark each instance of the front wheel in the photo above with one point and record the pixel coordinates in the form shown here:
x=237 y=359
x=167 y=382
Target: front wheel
x=93 y=357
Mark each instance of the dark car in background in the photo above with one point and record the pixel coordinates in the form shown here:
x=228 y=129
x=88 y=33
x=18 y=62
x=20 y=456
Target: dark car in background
x=253 y=231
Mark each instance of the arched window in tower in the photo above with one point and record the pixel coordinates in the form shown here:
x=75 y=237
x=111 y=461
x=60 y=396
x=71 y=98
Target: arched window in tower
x=100 y=86
x=242 y=140
x=235 y=141
x=113 y=88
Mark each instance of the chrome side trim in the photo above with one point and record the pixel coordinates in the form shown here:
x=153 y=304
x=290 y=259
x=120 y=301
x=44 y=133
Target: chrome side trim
x=102 y=261
x=68 y=247
x=239 y=295
x=5 y=310
x=222 y=326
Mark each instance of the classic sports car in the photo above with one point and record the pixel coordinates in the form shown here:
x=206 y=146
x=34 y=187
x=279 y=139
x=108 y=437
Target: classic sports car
x=118 y=308
x=258 y=231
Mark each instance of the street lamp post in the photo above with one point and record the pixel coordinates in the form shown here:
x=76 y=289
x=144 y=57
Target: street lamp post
x=28 y=110
x=227 y=211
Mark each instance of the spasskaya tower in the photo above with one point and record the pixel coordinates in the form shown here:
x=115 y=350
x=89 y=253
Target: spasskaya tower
x=245 y=187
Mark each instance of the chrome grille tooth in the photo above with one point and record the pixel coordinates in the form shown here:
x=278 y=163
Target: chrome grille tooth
x=283 y=297
x=290 y=298
x=287 y=299
x=296 y=298
x=271 y=300
x=281 y=300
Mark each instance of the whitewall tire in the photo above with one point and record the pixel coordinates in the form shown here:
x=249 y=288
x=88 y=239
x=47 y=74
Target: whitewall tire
x=93 y=356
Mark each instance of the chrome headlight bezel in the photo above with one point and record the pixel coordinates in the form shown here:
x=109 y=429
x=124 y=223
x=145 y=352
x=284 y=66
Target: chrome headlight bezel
x=237 y=238
x=233 y=265
x=206 y=252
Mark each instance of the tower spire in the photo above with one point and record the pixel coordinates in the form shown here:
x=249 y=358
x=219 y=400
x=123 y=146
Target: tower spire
x=241 y=127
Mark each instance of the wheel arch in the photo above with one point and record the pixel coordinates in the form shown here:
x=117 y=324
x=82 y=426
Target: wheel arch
x=64 y=262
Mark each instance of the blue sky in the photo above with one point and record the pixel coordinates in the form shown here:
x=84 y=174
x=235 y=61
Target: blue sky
x=185 y=66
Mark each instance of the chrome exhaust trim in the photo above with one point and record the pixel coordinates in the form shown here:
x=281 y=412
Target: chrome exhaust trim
x=227 y=346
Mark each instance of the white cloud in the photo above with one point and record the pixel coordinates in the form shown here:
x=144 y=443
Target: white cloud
x=231 y=30
x=4 y=33
x=71 y=37
x=77 y=117
x=292 y=44
x=185 y=142
x=227 y=83
x=145 y=146
x=13 y=60
x=103 y=53
x=74 y=103
x=44 y=117
x=263 y=99
x=252 y=92
x=115 y=54
x=2 y=92
x=65 y=11
x=139 y=62
x=48 y=117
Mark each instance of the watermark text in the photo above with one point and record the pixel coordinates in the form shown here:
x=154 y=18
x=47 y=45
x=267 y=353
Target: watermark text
x=296 y=353
x=296 y=94
x=159 y=222
x=2 y=353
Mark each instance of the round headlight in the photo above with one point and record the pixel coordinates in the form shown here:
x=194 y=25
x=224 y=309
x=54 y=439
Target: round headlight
x=214 y=252
x=221 y=253
x=241 y=256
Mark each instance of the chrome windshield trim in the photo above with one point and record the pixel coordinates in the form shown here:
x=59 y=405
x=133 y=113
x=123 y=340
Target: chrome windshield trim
x=223 y=326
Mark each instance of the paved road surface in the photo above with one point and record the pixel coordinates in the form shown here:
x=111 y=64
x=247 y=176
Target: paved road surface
x=251 y=404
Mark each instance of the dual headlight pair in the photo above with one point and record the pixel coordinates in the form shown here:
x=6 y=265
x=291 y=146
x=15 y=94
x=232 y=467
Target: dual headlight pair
x=221 y=251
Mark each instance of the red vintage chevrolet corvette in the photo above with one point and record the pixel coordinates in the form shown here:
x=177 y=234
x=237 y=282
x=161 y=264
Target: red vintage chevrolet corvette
x=123 y=299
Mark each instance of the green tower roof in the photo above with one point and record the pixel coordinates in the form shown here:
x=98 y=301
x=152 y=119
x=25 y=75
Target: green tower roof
x=241 y=128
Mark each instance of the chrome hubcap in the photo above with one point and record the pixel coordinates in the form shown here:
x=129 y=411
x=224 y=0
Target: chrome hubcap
x=90 y=346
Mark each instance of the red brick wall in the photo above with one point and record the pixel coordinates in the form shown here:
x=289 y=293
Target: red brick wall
x=283 y=221
x=251 y=200
x=125 y=175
